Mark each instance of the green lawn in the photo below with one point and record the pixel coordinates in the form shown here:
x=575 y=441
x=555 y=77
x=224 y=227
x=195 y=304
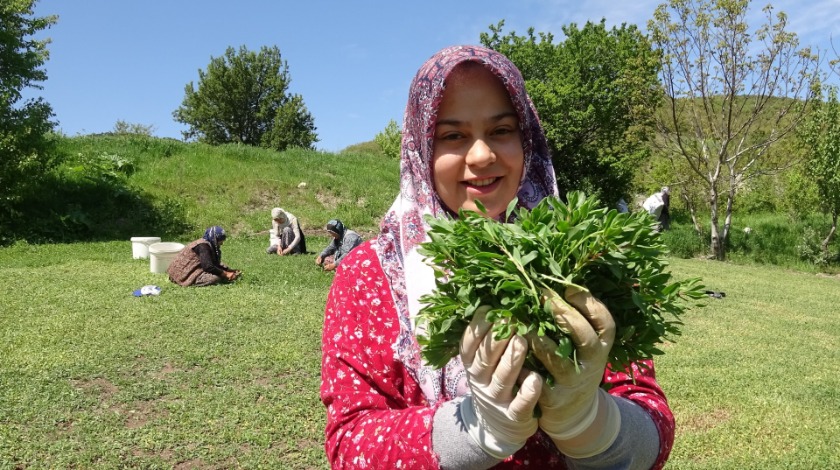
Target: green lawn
x=228 y=376
x=754 y=381
x=217 y=377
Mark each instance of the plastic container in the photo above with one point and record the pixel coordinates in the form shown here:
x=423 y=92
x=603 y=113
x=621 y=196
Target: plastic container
x=161 y=255
x=140 y=246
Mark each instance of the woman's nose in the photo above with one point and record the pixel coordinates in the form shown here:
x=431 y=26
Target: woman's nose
x=480 y=154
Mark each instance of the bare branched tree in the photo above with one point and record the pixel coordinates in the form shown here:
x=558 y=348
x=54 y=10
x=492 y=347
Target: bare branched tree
x=731 y=95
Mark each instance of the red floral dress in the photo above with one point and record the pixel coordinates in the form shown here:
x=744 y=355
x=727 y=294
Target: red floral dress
x=378 y=416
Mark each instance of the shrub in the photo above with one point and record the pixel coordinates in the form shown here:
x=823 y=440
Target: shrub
x=684 y=242
x=389 y=140
x=123 y=127
x=809 y=249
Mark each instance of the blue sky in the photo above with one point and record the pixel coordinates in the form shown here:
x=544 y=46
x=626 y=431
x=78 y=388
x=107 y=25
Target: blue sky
x=352 y=61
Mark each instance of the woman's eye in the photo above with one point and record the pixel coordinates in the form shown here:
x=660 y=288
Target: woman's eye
x=450 y=136
x=505 y=131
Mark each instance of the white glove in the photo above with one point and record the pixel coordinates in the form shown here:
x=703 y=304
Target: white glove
x=582 y=419
x=497 y=417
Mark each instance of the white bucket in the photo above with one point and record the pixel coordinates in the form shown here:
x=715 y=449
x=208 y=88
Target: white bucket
x=140 y=246
x=162 y=254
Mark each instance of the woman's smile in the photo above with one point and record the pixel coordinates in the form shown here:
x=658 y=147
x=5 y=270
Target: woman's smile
x=481 y=187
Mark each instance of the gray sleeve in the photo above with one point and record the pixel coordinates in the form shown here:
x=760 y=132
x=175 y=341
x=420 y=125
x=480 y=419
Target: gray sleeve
x=453 y=444
x=330 y=249
x=351 y=240
x=636 y=447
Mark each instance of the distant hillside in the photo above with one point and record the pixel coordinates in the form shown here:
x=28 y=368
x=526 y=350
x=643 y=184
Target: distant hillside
x=118 y=186
x=367 y=148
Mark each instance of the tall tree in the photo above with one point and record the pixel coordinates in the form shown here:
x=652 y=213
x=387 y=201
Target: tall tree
x=595 y=93
x=243 y=97
x=24 y=125
x=730 y=96
x=821 y=136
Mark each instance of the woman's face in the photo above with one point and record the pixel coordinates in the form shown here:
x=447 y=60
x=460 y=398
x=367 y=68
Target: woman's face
x=478 y=147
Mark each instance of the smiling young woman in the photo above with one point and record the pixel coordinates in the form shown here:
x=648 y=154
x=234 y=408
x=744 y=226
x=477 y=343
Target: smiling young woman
x=470 y=134
x=478 y=146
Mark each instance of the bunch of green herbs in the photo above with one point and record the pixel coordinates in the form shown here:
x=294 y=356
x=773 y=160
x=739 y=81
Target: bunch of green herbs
x=513 y=267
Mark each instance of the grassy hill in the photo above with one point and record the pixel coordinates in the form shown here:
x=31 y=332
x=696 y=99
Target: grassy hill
x=113 y=187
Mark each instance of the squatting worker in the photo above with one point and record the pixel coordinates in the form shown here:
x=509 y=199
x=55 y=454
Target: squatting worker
x=200 y=263
x=343 y=242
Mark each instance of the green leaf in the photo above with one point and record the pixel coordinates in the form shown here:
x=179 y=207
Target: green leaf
x=564 y=347
x=510 y=208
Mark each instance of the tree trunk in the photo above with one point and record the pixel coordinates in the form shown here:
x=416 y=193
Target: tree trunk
x=824 y=245
x=690 y=206
x=717 y=247
x=727 y=221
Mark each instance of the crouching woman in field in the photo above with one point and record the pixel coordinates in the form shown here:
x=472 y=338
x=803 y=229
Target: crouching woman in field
x=344 y=240
x=200 y=263
x=285 y=236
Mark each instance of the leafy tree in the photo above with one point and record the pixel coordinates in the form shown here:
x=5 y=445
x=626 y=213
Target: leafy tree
x=243 y=97
x=730 y=96
x=293 y=127
x=389 y=140
x=595 y=93
x=821 y=136
x=799 y=192
x=124 y=127
x=25 y=146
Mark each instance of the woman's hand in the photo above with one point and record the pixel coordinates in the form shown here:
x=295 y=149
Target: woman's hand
x=318 y=260
x=498 y=417
x=581 y=418
x=329 y=267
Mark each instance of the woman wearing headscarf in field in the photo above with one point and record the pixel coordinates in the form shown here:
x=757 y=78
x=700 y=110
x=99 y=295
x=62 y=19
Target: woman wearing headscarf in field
x=470 y=132
x=285 y=236
x=200 y=263
x=658 y=205
x=344 y=240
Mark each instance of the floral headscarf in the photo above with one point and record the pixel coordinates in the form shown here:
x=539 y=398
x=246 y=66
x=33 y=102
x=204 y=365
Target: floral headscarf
x=214 y=235
x=403 y=227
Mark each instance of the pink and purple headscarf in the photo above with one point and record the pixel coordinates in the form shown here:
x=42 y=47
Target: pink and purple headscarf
x=403 y=228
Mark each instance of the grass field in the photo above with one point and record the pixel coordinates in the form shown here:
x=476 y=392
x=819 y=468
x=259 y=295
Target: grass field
x=754 y=381
x=228 y=376
x=220 y=377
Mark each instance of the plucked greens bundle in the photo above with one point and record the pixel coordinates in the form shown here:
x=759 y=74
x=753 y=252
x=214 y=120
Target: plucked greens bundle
x=511 y=267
